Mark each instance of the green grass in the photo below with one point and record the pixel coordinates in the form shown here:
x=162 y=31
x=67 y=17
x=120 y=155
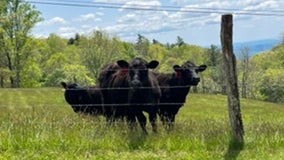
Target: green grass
x=38 y=124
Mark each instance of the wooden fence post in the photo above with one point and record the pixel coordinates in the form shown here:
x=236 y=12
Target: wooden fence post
x=231 y=76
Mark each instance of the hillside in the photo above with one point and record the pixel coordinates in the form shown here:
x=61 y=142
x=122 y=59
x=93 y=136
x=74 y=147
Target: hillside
x=36 y=124
x=256 y=46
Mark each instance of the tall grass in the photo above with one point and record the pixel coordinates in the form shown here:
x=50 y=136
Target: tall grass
x=39 y=124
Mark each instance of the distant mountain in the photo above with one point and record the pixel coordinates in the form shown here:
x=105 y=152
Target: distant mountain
x=255 y=46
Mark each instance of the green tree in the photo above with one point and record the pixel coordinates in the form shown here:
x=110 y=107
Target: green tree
x=75 y=40
x=31 y=73
x=159 y=52
x=17 y=20
x=53 y=58
x=55 y=44
x=267 y=74
x=65 y=66
x=214 y=55
x=216 y=80
x=128 y=51
x=244 y=70
x=98 y=49
x=180 y=41
x=272 y=87
x=142 y=45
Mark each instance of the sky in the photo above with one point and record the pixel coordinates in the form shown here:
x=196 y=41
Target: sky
x=195 y=21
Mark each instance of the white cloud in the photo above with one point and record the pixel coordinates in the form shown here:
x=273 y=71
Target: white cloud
x=111 y=1
x=142 y=4
x=266 y=5
x=68 y=32
x=128 y=18
x=54 y=20
x=183 y=15
x=156 y=21
x=40 y=35
x=178 y=2
x=84 y=26
x=67 y=29
x=140 y=21
x=88 y=17
x=100 y=13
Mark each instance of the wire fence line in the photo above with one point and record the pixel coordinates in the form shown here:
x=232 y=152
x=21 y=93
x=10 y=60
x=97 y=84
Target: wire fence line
x=90 y=88
x=99 y=122
x=146 y=7
x=92 y=105
x=123 y=70
x=129 y=88
x=27 y=105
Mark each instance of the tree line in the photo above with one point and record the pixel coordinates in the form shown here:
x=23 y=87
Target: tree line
x=28 y=62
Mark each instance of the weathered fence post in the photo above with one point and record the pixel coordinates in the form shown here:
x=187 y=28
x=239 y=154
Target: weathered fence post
x=231 y=75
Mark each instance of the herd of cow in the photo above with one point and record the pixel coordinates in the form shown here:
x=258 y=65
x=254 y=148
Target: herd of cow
x=127 y=89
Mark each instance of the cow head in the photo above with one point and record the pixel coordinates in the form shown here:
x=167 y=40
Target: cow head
x=183 y=74
x=194 y=70
x=73 y=94
x=137 y=70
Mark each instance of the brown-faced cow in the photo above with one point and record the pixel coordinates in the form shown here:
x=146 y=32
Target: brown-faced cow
x=175 y=87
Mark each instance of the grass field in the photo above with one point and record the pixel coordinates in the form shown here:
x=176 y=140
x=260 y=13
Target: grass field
x=38 y=124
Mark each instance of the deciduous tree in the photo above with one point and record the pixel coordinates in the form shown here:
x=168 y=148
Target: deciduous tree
x=98 y=49
x=17 y=20
x=244 y=70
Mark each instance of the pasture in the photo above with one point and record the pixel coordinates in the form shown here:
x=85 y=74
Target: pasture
x=39 y=124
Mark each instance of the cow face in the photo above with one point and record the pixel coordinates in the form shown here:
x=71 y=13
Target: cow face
x=73 y=94
x=137 y=70
x=183 y=74
x=194 y=70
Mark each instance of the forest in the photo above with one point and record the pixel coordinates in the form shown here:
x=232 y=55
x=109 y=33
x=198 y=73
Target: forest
x=30 y=62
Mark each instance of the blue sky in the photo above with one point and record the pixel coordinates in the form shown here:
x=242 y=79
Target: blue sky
x=196 y=21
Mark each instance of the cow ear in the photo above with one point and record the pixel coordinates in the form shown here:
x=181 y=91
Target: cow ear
x=177 y=68
x=153 y=64
x=64 y=85
x=201 y=68
x=122 y=64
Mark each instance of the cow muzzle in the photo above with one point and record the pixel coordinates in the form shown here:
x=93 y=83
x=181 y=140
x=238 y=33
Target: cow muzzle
x=195 y=81
x=136 y=84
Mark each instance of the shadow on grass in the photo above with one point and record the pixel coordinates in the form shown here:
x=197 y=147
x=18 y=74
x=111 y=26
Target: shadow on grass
x=234 y=149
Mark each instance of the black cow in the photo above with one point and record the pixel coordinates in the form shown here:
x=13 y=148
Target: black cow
x=175 y=87
x=84 y=99
x=105 y=79
x=133 y=89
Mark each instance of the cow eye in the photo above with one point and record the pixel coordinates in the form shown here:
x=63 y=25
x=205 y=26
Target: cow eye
x=143 y=72
x=131 y=72
x=196 y=70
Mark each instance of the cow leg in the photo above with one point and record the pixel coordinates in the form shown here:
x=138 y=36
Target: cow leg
x=131 y=120
x=153 y=119
x=142 y=121
x=165 y=118
x=161 y=118
x=171 y=121
x=109 y=114
x=167 y=122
